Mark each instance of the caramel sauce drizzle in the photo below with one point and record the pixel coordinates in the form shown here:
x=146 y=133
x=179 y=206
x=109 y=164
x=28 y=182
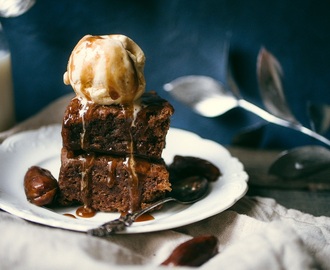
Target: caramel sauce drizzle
x=87 y=163
x=83 y=113
x=69 y=215
x=133 y=177
x=143 y=217
x=112 y=165
x=130 y=111
x=85 y=187
x=85 y=212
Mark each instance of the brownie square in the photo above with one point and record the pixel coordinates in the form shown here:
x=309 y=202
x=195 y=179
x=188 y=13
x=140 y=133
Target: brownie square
x=111 y=129
x=106 y=183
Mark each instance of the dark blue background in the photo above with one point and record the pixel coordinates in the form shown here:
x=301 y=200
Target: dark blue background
x=182 y=38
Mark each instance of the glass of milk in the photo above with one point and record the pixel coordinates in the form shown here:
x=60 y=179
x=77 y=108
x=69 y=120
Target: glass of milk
x=7 y=115
x=8 y=8
x=13 y=8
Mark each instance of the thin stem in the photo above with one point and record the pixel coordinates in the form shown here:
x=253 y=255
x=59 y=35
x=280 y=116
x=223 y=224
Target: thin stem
x=279 y=121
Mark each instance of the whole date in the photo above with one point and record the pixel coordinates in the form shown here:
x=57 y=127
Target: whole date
x=40 y=186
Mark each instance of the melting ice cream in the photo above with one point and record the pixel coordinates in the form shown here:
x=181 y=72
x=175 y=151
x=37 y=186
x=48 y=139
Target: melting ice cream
x=106 y=69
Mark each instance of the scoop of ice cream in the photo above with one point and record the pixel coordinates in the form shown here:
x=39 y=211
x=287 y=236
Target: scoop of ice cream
x=106 y=69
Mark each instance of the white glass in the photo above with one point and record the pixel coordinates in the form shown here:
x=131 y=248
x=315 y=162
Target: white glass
x=13 y=8
x=8 y=8
x=7 y=115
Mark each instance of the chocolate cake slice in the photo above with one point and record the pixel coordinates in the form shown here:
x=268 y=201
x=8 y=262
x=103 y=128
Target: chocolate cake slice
x=108 y=183
x=113 y=132
x=110 y=129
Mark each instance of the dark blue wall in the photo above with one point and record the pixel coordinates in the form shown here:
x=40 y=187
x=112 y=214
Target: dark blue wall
x=181 y=38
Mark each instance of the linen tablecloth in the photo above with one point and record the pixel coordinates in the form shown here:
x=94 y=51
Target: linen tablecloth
x=255 y=233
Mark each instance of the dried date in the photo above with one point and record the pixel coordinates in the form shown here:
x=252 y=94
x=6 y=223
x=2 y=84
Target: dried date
x=193 y=252
x=40 y=186
x=186 y=166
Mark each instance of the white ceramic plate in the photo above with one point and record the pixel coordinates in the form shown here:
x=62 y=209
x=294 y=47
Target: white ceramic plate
x=42 y=147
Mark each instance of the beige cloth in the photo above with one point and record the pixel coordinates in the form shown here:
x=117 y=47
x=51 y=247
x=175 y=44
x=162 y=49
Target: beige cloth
x=256 y=233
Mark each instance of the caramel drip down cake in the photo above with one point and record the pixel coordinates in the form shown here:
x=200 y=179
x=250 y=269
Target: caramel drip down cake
x=113 y=132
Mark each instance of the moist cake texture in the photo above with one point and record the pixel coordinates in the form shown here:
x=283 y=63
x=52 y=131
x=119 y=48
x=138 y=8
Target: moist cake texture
x=111 y=159
x=110 y=130
x=106 y=183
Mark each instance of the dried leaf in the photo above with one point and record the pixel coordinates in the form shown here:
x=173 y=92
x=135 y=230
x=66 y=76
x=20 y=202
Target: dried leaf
x=269 y=73
x=319 y=115
x=301 y=162
x=193 y=252
x=230 y=82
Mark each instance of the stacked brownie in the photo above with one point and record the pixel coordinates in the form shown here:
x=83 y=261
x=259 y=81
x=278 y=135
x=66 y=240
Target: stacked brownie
x=112 y=154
